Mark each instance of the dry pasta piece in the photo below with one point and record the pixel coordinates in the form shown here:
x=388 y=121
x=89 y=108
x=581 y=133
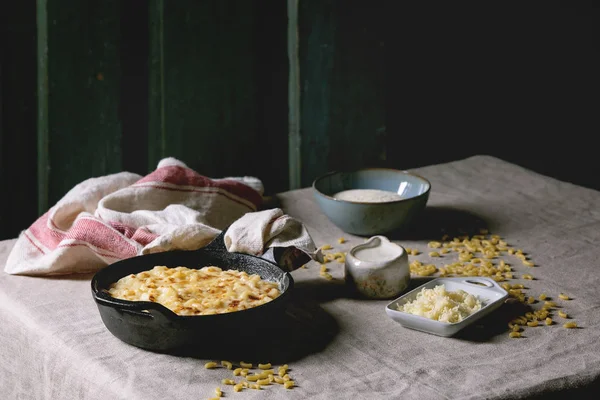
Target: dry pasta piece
x=227 y=364
x=264 y=382
x=548 y=321
x=434 y=245
x=529 y=315
x=444 y=251
x=326 y=275
x=218 y=392
x=532 y=323
x=264 y=366
x=514 y=335
x=341 y=259
x=210 y=365
x=237 y=371
x=530 y=300
x=414 y=252
x=326 y=247
x=516 y=328
x=271 y=378
x=570 y=325
x=286 y=377
x=549 y=304
x=254 y=386
x=278 y=379
x=215 y=398
x=288 y=384
x=563 y=296
x=252 y=378
x=465 y=256
x=245 y=372
x=238 y=387
x=327 y=258
x=323 y=268
x=543 y=296
x=245 y=364
x=341 y=240
x=434 y=254
x=528 y=263
x=489 y=254
x=563 y=314
x=228 y=381
x=528 y=277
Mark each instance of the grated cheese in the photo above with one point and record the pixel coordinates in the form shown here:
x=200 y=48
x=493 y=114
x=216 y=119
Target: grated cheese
x=441 y=305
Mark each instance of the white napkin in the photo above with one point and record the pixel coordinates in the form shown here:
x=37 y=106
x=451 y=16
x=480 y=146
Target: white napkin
x=110 y=218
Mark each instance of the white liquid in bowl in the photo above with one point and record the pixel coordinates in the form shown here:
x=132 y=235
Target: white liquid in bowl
x=378 y=253
x=367 y=195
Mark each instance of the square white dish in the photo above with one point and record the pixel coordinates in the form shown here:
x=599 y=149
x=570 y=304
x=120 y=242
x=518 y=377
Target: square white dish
x=487 y=290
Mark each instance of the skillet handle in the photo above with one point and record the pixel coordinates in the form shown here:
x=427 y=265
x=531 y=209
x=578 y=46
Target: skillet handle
x=218 y=243
x=286 y=258
x=156 y=310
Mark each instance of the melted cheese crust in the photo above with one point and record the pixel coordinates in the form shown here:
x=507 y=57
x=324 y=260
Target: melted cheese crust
x=186 y=291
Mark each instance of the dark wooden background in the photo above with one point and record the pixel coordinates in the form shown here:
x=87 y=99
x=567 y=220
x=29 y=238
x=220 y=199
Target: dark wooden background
x=91 y=88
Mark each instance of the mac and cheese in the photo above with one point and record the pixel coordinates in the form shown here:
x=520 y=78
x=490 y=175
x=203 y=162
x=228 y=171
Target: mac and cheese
x=185 y=291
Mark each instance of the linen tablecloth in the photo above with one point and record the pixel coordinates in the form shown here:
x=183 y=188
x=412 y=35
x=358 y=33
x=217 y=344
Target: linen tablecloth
x=53 y=344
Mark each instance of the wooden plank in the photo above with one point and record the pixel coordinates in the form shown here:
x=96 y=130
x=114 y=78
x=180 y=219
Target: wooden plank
x=342 y=69
x=133 y=104
x=156 y=100
x=271 y=71
x=3 y=200
x=17 y=118
x=216 y=102
x=294 y=98
x=43 y=167
x=83 y=123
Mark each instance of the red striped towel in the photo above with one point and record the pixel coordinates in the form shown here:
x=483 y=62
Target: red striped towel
x=110 y=218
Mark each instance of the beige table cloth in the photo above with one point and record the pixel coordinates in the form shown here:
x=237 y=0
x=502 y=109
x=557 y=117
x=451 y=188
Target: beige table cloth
x=53 y=344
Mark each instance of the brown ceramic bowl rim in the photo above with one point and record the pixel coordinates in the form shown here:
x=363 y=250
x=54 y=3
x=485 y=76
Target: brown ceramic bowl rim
x=402 y=172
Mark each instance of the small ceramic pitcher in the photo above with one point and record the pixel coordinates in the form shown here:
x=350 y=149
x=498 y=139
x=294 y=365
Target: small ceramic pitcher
x=378 y=268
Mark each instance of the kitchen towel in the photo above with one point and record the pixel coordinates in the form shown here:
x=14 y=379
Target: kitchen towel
x=106 y=219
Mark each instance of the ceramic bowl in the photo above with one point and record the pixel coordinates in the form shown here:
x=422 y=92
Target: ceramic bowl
x=368 y=218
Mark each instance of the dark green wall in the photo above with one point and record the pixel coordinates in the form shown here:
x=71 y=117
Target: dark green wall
x=91 y=88
x=18 y=162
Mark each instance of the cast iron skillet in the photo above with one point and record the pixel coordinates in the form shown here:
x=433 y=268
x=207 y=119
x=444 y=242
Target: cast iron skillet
x=154 y=327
